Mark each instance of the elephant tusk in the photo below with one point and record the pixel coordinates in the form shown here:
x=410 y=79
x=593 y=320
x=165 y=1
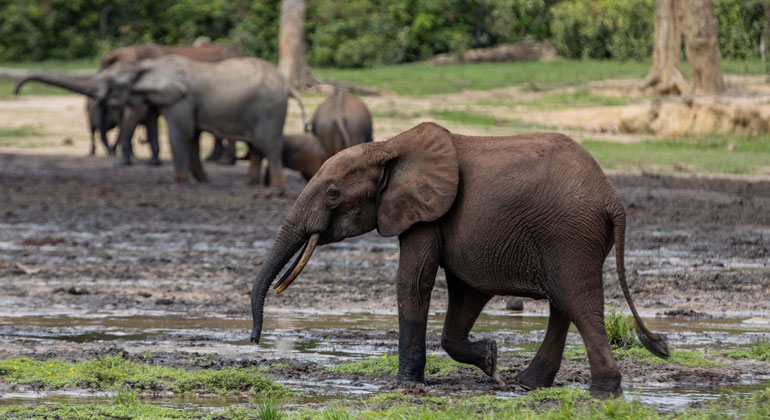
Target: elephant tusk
x=298 y=265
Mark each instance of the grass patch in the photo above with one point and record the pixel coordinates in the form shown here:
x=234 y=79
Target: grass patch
x=31 y=88
x=621 y=329
x=687 y=358
x=580 y=97
x=423 y=79
x=758 y=351
x=715 y=154
x=24 y=131
x=474 y=118
x=109 y=373
x=388 y=365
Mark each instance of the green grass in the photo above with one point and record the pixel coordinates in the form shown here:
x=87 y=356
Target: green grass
x=580 y=97
x=546 y=404
x=478 y=119
x=621 y=329
x=24 y=131
x=688 y=358
x=422 y=79
x=31 y=88
x=714 y=154
x=388 y=365
x=109 y=373
x=758 y=351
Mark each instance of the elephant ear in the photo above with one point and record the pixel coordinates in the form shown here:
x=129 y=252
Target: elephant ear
x=421 y=178
x=161 y=81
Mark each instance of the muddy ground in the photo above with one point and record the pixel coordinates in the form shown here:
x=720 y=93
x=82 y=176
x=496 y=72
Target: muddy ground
x=82 y=239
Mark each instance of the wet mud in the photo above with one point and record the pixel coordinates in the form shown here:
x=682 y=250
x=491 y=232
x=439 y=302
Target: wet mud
x=97 y=260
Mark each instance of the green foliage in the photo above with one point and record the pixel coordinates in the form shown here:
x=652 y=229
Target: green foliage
x=388 y=365
x=714 y=154
x=580 y=97
x=106 y=373
x=269 y=411
x=619 y=29
x=687 y=358
x=357 y=33
x=758 y=351
x=621 y=329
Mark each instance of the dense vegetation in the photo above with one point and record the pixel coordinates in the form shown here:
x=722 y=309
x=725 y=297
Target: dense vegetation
x=359 y=33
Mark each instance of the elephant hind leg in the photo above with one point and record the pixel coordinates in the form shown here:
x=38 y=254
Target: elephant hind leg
x=585 y=308
x=542 y=370
x=465 y=305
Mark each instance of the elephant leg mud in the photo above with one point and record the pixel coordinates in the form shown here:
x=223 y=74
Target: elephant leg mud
x=465 y=305
x=416 y=275
x=195 y=159
x=543 y=368
x=587 y=312
x=151 y=122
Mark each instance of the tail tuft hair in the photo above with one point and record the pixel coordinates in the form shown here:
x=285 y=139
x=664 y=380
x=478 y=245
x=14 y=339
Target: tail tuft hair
x=657 y=344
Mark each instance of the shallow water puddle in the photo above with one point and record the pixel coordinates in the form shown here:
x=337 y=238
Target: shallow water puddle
x=330 y=338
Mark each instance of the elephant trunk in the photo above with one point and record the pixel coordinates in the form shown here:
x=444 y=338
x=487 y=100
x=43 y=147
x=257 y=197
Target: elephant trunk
x=286 y=245
x=72 y=84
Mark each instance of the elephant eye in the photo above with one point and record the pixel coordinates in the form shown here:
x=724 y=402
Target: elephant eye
x=333 y=193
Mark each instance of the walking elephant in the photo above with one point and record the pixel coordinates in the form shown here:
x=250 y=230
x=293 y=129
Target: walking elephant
x=342 y=120
x=530 y=215
x=238 y=98
x=104 y=118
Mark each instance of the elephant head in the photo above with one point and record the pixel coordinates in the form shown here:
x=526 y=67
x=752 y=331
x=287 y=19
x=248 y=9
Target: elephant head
x=388 y=186
x=160 y=82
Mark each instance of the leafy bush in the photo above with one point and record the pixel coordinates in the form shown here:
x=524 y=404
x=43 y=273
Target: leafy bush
x=619 y=29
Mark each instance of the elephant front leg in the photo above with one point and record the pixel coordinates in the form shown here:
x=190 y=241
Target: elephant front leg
x=416 y=275
x=151 y=123
x=127 y=127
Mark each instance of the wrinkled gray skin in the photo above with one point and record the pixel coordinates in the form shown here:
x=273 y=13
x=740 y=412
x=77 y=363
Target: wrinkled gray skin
x=530 y=215
x=238 y=98
x=103 y=118
x=342 y=120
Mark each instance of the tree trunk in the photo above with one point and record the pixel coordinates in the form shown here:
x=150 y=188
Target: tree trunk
x=665 y=75
x=291 y=45
x=699 y=26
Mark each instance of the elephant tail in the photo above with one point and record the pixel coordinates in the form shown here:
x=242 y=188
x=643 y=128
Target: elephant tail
x=338 y=117
x=306 y=126
x=657 y=344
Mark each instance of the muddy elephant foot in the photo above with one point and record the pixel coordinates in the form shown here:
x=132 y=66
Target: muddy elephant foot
x=604 y=388
x=153 y=161
x=490 y=361
x=124 y=161
x=537 y=375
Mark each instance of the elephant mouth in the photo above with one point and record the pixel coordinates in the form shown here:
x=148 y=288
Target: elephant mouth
x=298 y=265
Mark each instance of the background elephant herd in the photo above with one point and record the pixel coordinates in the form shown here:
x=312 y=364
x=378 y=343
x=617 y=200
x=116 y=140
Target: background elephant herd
x=211 y=88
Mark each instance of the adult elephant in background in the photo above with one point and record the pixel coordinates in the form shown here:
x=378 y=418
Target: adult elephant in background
x=530 y=215
x=342 y=120
x=239 y=98
x=103 y=118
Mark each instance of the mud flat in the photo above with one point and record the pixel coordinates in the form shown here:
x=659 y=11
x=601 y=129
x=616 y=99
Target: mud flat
x=104 y=261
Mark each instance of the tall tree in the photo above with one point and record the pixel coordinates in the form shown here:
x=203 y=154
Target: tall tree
x=695 y=20
x=701 y=44
x=665 y=76
x=291 y=45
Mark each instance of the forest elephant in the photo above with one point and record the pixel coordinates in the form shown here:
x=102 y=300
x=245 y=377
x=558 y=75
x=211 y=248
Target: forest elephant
x=342 y=120
x=531 y=215
x=104 y=118
x=238 y=98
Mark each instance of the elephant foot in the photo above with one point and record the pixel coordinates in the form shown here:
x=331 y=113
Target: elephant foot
x=180 y=176
x=605 y=386
x=124 y=161
x=605 y=394
x=153 y=161
x=536 y=375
